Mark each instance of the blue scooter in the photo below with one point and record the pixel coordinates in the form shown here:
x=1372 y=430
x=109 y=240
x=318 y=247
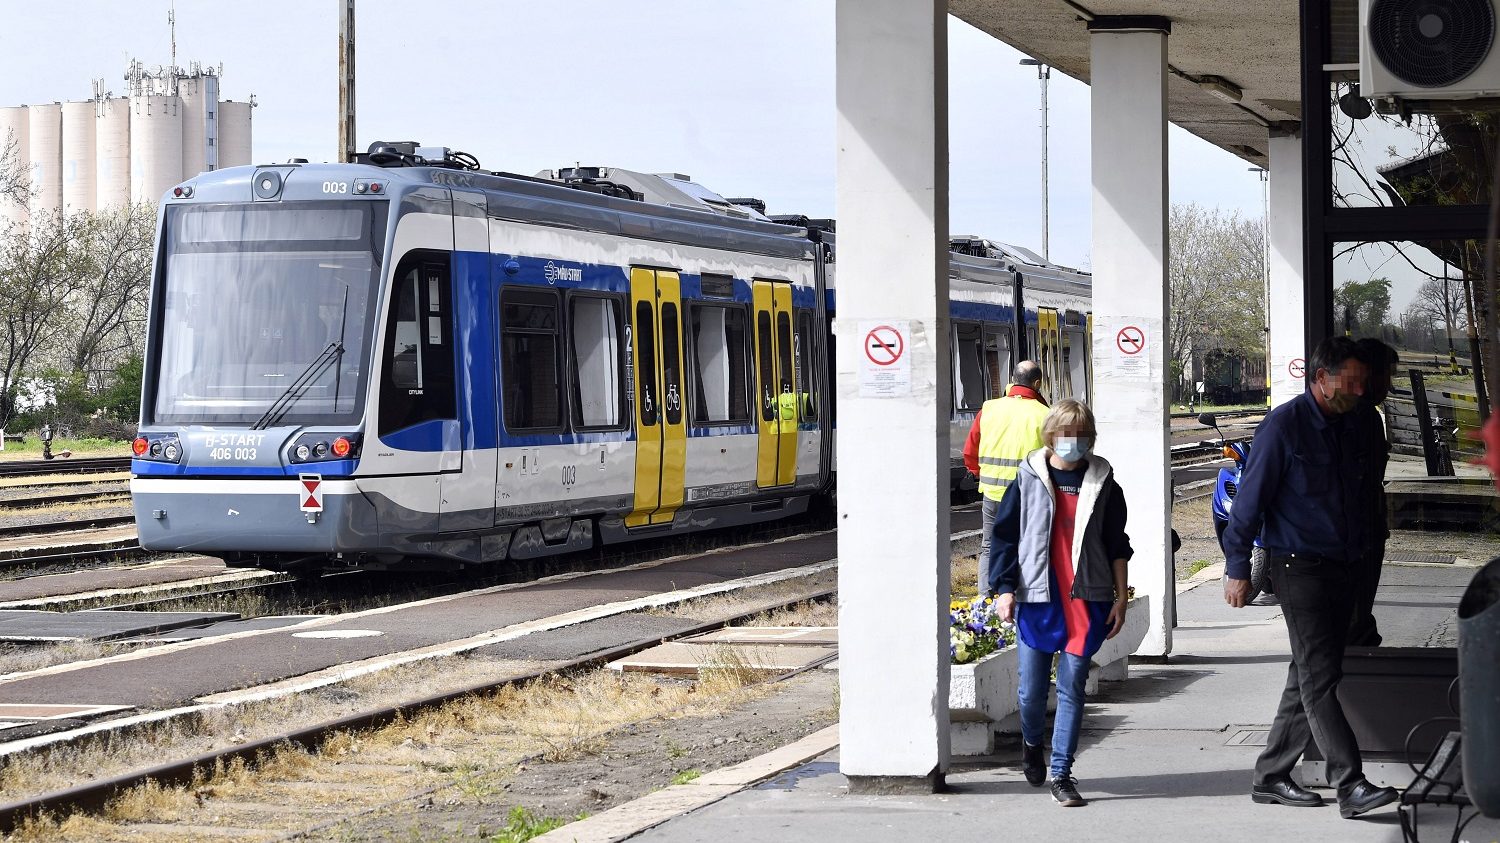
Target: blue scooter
x=1223 y=500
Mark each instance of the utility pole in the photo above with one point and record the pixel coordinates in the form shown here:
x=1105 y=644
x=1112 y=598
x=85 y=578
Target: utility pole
x=1043 y=73
x=346 y=81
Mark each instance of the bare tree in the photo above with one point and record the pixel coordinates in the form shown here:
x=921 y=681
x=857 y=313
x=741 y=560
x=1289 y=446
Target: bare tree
x=1217 y=277
x=1445 y=306
x=39 y=271
x=107 y=312
x=15 y=181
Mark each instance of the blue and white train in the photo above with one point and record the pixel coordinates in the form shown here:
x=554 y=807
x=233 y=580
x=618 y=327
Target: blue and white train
x=409 y=362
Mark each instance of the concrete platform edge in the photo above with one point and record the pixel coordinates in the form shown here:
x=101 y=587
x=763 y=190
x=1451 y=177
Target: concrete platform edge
x=653 y=809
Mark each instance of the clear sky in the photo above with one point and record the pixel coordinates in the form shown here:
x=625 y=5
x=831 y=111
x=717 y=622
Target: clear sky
x=738 y=94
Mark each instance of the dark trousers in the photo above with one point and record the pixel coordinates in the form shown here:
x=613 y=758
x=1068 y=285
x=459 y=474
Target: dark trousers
x=1362 y=629
x=1316 y=600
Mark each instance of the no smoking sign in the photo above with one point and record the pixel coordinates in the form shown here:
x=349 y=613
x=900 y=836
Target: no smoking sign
x=1297 y=368
x=884 y=345
x=885 y=367
x=1131 y=340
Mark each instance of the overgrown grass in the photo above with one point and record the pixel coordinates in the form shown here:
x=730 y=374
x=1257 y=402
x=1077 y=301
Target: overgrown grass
x=1197 y=566
x=685 y=776
x=31 y=448
x=522 y=825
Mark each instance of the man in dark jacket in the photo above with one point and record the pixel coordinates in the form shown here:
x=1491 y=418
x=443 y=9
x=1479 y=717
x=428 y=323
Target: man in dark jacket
x=1304 y=492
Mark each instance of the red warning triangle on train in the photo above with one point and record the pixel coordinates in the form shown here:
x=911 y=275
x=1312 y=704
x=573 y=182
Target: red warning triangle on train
x=312 y=486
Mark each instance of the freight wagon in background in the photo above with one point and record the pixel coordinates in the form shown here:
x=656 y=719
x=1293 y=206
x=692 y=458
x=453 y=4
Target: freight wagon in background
x=1229 y=376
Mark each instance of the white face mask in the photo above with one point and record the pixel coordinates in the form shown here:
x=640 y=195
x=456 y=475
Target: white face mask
x=1071 y=448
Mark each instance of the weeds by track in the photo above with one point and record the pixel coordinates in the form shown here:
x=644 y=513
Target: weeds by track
x=82 y=465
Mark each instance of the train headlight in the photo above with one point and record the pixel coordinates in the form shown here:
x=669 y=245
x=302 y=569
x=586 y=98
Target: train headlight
x=341 y=447
x=321 y=448
x=139 y=446
x=171 y=452
x=302 y=452
x=155 y=449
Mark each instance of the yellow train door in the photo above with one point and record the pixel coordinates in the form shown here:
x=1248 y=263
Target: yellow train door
x=776 y=386
x=660 y=427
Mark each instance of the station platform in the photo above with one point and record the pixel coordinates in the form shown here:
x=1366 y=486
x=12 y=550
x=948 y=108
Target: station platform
x=1166 y=755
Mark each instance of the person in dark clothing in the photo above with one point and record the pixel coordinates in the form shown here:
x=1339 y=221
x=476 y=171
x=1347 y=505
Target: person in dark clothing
x=1302 y=493
x=1382 y=361
x=1058 y=555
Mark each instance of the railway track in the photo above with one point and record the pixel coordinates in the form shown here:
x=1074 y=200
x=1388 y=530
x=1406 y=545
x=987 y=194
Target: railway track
x=97 y=794
x=39 y=500
x=89 y=465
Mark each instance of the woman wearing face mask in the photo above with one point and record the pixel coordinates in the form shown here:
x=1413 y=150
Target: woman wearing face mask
x=1058 y=555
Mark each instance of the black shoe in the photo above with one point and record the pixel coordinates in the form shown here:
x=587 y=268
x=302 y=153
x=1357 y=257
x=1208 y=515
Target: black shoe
x=1284 y=791
x=1031 y=764
x=1364 y=797
x=1065 y=792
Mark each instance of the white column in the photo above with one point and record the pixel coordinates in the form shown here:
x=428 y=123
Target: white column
x=1128 y=79
x=893 y=437
x=1287 y=321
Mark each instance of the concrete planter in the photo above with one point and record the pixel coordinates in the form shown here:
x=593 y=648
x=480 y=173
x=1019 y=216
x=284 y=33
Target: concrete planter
x=980 y=694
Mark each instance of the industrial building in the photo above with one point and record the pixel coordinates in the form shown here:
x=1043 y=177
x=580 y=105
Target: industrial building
x=109 y=151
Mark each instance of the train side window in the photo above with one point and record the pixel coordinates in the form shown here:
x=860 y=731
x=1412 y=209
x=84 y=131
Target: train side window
x=804 y=358
x=767 y=361
x=997 y=356
x=594 y=337
x=721 y=368
x=645 y=340
x=784 y=355
x=671 y=362
x=418 y=383
x=968 y=353
x=530 y=387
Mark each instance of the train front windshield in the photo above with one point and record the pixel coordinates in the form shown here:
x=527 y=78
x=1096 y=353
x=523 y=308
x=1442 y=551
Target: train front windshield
x=254 y=297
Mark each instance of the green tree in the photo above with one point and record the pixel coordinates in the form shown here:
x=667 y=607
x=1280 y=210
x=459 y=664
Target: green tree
x=1362 y=307
x=1217 y=276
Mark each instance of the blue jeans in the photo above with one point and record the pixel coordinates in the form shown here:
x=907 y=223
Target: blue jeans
x=1072 y=673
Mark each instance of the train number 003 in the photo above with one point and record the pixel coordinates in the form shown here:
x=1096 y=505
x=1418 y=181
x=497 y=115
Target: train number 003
x=335 y=187
x=569 y=475
x=232 y=454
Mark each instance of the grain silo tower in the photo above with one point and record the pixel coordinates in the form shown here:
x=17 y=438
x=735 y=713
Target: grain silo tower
x=45 y=148
x=110 y=151
x=78 y=158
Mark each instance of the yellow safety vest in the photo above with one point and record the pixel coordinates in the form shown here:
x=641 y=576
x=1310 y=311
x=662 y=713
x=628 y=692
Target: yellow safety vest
x=787 y=412
x=1009 y=429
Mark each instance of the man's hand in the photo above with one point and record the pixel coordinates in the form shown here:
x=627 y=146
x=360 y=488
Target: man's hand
x=1236 y=592
x=1005 y=607
x=1116 y=618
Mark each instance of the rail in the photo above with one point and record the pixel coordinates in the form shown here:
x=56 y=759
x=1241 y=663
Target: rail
x=90 y=465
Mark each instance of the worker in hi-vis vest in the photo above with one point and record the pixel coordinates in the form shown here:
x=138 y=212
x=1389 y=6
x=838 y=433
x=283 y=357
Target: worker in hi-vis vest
x=1004 y=432
x=786 y=412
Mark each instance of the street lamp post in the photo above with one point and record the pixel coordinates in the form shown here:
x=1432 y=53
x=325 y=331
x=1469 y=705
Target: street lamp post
x=1043 y=73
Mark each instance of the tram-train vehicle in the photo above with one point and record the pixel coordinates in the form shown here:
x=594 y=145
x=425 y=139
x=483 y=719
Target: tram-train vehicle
x=407 y=362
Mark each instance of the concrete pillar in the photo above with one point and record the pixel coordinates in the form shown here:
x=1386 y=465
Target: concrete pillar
x=893 y=417
x=1288 y=322
x=1128 y=87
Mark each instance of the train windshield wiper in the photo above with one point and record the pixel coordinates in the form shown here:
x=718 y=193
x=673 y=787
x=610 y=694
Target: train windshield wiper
x=329 y=356
x=333 y=355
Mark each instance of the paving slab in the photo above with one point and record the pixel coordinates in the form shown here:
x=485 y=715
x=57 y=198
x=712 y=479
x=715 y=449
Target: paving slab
x=29 y=625
x=228 y=627
x=815 y=635
x=690 y=659
x=34 y=589
x=108 y=538
x=1166 y=755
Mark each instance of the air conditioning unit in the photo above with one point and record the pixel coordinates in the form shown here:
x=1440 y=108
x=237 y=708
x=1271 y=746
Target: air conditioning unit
x=1428 y=49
